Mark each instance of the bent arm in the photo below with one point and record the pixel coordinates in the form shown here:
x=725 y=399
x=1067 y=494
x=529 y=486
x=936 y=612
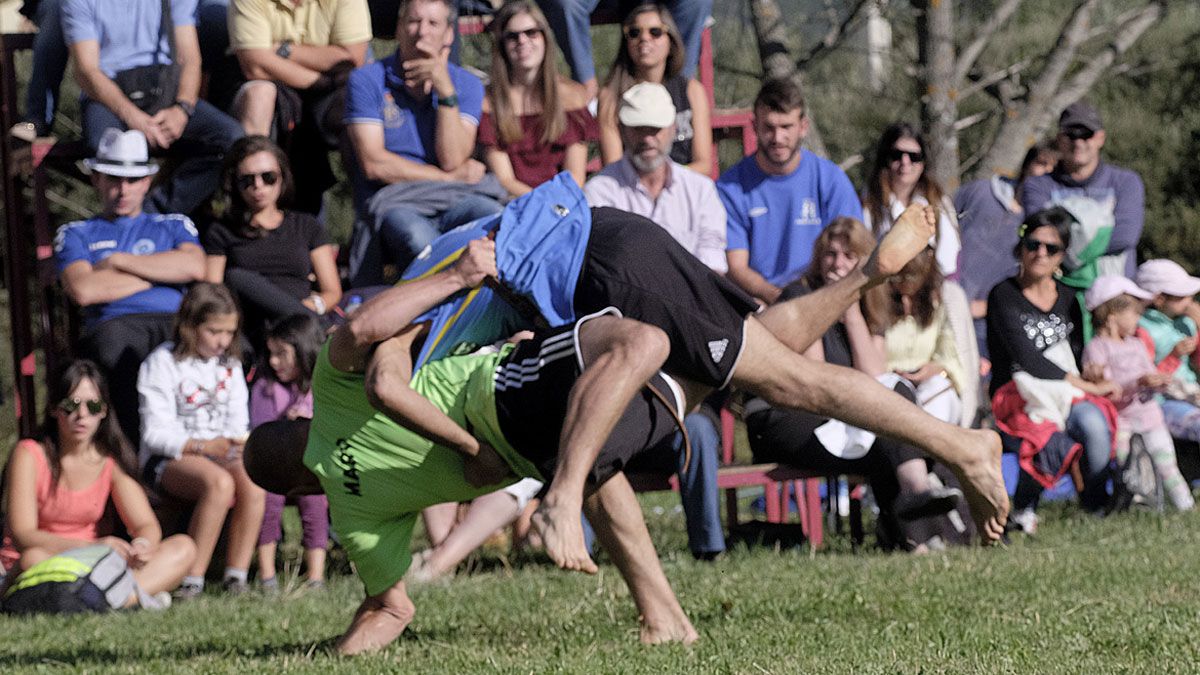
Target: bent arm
x=134 y=509
x=499 y=163
x=265 y=64
x=380 y=164
x=181 y=265
x=98 y=86
x=702 y=141
x=750 y=281
x=86 y=285
x=322 y=58
x=611 y=147
x=22 y=506
x=453 y=139
x=324 y=266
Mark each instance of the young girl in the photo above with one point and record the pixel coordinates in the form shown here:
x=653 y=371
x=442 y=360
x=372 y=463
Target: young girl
x=285 y=392
x=194 y=420
x=1169 y=326
x=1116 y=306
x=57 y=487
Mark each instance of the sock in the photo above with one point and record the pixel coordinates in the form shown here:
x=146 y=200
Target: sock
x=234 y=574
x=195 y=581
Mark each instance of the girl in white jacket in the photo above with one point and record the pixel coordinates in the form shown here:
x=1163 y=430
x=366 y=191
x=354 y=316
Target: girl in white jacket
x=195 y=418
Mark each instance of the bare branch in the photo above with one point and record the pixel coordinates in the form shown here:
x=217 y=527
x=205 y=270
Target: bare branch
x=1123 y=38
x=1042 y=89
x=971 y=120
x=970 y=53
x=989 y=80
x=836 y=33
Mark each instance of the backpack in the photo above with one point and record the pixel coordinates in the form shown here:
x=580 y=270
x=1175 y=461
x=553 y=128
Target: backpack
x=92 y=578
x=1136 y=483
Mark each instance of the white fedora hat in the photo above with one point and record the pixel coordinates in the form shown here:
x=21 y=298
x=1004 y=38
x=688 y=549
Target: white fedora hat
x=122 y=153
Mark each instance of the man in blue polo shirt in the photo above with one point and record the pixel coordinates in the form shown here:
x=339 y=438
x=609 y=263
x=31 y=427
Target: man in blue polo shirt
x=780 y=198
x=412 y=119
x=126 y=269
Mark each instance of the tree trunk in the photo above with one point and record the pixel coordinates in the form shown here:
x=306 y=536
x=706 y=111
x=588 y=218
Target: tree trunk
x=770 y=32
x=937 y=88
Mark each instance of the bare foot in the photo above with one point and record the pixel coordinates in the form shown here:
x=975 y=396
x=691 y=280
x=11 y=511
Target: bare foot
x=421 y=571
x=562 y=534
x=908 y=237
x=983 y=484
x=680 y=630
x=380 y=619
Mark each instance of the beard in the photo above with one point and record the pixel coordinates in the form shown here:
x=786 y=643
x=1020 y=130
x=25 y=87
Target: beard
x=644 y=165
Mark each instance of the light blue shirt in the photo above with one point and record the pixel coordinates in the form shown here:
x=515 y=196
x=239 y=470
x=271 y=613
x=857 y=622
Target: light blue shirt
x=129 y=31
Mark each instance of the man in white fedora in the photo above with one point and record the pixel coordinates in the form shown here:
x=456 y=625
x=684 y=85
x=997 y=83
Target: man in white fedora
x=126 y=269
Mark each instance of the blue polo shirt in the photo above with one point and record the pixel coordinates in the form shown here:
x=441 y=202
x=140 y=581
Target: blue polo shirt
x=95 y=239
x=376 y=95
x=129 y=31
x=777 y=218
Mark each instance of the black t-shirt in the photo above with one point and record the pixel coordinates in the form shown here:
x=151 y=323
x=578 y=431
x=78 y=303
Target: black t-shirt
x=282 y=255
x=1018 y=332
x=835 y=341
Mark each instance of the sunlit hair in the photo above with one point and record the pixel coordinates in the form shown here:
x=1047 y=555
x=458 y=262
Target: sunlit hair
x=1114 y=306
x=304 y=333
x=553 y=118
x=622 y=76
x=928 y=294
x=855 y=237
x=239 y=218
x=201 y=303
x=879 y=187
x=402 y=12
x=780 y=95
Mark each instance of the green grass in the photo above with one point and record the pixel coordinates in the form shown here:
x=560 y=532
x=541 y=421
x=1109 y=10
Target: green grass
x=1085 y=596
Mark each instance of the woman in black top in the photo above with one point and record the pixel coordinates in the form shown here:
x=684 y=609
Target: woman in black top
x=898 y=473
x=269 y=256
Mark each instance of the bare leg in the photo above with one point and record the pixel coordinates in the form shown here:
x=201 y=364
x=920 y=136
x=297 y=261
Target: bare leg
x=439 y=521
x=254 y=107
x=246 y=520
x=787 y=379
x=379 y=620
x=913 y=476
x=486 y=515
x=314 y=564
x=523 y=533
x=621 y=356
x=266 y=561
x=166 y=567
x=202 y=481
x=614 y=513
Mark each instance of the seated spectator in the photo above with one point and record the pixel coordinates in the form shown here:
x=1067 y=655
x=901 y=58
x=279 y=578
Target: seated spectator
x=284 y=392
x=195 y=419
x=294 y=60
x=140 y=70
x=126 y=269
x=46 y=72
x=652 y=51
x=779 y=199
x=646 y=181
x=920 y=341
x=535 y=121
x=1169 y=325
x=266 y=254
x=989 y=210
x=57 y=488
x=571 y=21
x=1035 y=338
x=412 y=119
x=898 y=473
x=1115 y=354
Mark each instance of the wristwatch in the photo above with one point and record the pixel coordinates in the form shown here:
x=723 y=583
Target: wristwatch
x=285 y=49
x=450 y=101
x=188 y=109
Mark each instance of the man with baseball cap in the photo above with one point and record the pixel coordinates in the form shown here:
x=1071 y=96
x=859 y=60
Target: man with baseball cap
x=646 y=181
x=1091 y=188
x=1170 y=322
x=126 y=269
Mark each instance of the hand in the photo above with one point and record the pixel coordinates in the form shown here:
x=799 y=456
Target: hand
x=119 y=545
x=470 y=171
x=1093 y=372
x=476 y=263
x=140 y=551
x=485 y=467
x=215 y=448
x=1184 y=347
x=429 y=70
x=853 y=315
x=295 y=413
x=111 y=262
x=1154 y=380
x=171 y=123
x=149 y=127
x=923 y=373
x=1106 y=388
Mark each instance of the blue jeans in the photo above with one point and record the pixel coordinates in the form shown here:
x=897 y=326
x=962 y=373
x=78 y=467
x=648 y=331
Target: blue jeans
x=698 y=486
x=1087 y=425
x=404 y=232
x=207 y=136
x=571 y=22
x=49 y=63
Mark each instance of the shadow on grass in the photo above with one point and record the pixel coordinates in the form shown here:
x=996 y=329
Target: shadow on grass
x=99 y=655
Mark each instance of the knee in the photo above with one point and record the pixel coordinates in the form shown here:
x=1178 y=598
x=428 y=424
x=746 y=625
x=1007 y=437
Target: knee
x=643 y=347
x=406 y=230
x=257 y=94
x=178 y=550
x=219 y=487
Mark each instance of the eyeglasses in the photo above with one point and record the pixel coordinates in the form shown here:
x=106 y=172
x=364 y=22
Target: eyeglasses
x=95 y=406
x=1032 y=246
x=247 y=180
x=896 y=154
x=654 y=31
x=1078 y=133
x=514 y=36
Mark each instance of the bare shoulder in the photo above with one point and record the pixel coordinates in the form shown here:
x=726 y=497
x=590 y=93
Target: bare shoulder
x=573 y=95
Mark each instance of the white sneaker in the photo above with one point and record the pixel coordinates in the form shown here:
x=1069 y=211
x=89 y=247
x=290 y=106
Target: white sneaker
x=1026 y=519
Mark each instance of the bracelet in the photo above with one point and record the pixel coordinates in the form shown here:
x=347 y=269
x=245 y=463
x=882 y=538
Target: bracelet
x=450 y=101
x=319 y=303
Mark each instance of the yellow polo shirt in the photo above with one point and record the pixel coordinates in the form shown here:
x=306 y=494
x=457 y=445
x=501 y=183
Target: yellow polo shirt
x=259 y=24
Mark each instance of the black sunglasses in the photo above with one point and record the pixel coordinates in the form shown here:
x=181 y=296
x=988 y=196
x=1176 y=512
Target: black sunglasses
x=247 y=180
x=895 y=155
x=514 y=36
x=1032 y=245
x=1078 y=133
x=654 y=31
x=69 y=405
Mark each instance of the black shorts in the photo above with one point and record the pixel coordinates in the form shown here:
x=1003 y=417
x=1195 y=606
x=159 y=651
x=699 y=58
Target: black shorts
x=533 y=384
x=634 y=265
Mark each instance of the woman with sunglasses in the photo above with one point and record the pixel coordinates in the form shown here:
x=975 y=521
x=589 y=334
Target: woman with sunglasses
x=1035 y=338
x=265 y=253
x=535 y=121
x=57 y=488
x=652 y=51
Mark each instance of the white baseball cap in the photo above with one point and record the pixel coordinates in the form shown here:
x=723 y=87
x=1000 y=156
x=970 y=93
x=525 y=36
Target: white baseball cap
x=647 y=104
x=1167 y=276
x=1109 y=286
x=122 y=153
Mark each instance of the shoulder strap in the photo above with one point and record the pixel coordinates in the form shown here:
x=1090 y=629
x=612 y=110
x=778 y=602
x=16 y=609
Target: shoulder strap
x=166 y=29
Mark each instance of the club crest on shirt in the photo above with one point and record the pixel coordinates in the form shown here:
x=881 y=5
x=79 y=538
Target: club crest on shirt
x=808 y=213
x=716 y=349
x=143 y=247
x=393 y=116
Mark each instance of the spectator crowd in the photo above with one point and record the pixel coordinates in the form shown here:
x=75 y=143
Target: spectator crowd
x=208 y=281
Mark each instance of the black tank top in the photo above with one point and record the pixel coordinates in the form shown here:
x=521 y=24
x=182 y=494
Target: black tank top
x=681 y=152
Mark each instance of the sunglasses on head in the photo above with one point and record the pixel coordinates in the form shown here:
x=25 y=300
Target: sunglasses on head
x=69 y=405
x=654 y=31
x=247 y=180
x=1078 y=133
x=514 y=36
x=895 y=155
x=1032 y=245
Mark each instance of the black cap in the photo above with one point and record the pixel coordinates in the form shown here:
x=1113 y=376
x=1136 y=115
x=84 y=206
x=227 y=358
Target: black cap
x=1080 y=114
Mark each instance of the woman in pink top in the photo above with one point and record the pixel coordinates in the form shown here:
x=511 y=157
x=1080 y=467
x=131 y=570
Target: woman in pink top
x=56 y=490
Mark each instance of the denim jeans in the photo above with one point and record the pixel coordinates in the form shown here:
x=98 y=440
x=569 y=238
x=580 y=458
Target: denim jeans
x=207 y=136
x=404 y=232
x=698 y=486
x=49 y=63
x=1086 y=425
x=571 y=22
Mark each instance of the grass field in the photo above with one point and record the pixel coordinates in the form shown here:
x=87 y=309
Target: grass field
x=1085 y=596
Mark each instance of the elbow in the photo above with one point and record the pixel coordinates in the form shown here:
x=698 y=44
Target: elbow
x=82 y=297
